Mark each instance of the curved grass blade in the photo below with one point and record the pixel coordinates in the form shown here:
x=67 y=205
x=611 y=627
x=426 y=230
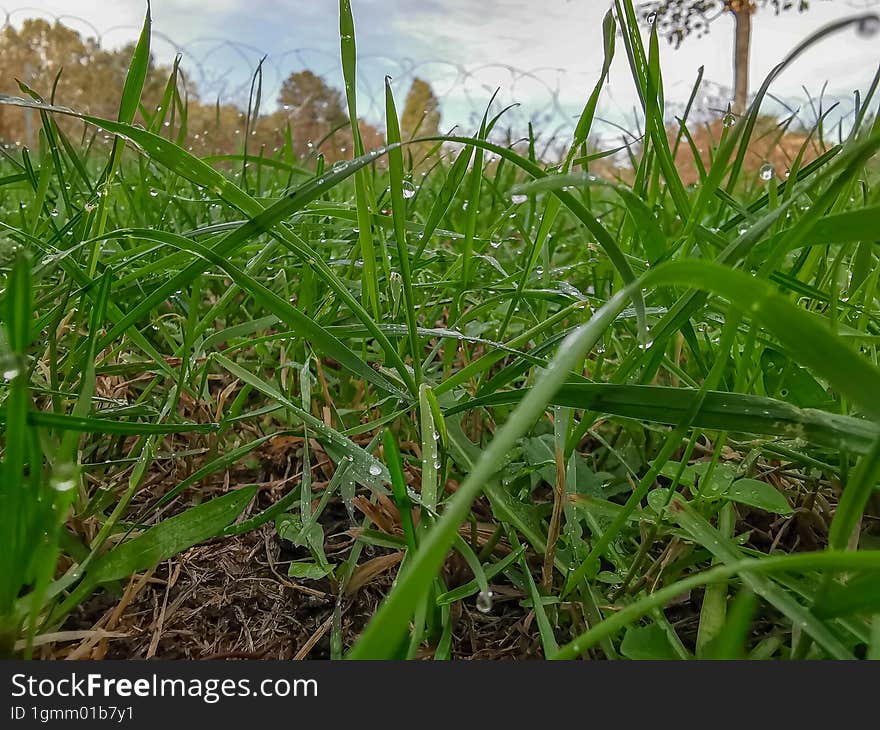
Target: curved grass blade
x=726 y=551
x=803 y=562
x=162 y=541
x=807 y=338
x=261 y=220
x=720 y=410
x=83 y=424
x=365 y=466
x=303 y=325
x=603 y=237
x=389 y=625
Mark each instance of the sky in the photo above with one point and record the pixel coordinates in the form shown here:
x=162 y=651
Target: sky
x=544 y=54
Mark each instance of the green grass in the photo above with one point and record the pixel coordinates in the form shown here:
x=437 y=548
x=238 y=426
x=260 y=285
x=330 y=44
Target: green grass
x=652 y=388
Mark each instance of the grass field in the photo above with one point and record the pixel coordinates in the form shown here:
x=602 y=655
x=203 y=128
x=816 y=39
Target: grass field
x=476 y=404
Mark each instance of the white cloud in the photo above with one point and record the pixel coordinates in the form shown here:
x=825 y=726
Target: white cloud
x=567 y=34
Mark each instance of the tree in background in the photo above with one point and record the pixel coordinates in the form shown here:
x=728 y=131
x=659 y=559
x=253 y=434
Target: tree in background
x=421 y=116
x=312 y=106
x=678 y=19
x=91 y=78
x=314 y=110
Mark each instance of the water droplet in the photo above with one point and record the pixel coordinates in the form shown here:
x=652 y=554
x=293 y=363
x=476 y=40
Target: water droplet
x=767 y=172
x=375 y=470
x=868 y=27
x=54 y=212
x=728 y=120
x=154 y=193
x=63 y=478
x=484 y=601
x=519 y=199
x=495 y=244
x=409 y=189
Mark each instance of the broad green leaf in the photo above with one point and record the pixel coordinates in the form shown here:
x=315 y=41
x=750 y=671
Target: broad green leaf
x=758 y=494
x=647 y=642
x=169 y=537
x=307 y=571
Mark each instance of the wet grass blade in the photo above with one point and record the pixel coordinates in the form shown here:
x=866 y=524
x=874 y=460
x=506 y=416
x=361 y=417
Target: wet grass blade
x=389 y=625
x=398 y=212
x=364 y=214
x=739 y=413
x=726 y=550
x=163 y=541
x=803 y=562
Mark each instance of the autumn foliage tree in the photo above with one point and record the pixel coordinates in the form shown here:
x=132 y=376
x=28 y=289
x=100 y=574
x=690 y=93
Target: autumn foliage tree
x=311 y=106
x=317 y=119
x=421 y=117
x=89 y=78
x=678 y=19
x=310 y=115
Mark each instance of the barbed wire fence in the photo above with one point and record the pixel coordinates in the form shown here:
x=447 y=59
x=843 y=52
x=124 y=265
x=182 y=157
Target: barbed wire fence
x=549 y=97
